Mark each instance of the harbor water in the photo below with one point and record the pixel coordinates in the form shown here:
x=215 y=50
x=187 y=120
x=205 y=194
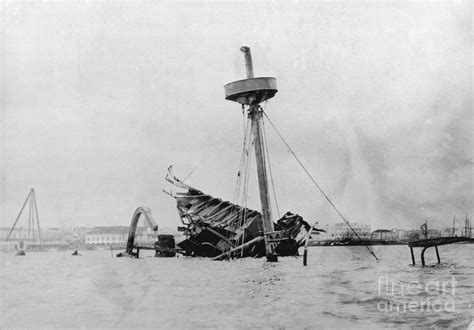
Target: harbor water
x=341 y=287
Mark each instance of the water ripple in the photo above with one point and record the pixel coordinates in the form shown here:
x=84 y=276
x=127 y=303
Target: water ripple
x=342 y=287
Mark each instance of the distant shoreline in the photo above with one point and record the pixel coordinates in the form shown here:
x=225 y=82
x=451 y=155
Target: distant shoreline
x=351 y=242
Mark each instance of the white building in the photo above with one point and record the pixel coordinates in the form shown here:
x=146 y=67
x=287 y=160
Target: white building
x=106 y=238
x=340 y=231
x=119 y=236
x=18 y=234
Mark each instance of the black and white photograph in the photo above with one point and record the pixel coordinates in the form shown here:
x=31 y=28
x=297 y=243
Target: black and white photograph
x=234 y=164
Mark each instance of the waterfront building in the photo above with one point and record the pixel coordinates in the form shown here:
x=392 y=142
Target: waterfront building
x=434 y=233
x=399 y=234
x=107 y=236
x=340 y=231
x=413 y=235
x=383 y=235
x=22 y=238
x=118 y=235
x=18 y=234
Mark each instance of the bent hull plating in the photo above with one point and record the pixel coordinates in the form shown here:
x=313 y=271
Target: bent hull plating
x=220 y=229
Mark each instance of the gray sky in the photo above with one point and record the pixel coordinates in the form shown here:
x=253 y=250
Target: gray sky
x=98 y=99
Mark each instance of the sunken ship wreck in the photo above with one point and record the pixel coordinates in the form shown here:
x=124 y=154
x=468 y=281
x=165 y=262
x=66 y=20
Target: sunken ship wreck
x=219 y=229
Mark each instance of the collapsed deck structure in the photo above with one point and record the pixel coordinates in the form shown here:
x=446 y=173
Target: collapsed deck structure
x=220 y=229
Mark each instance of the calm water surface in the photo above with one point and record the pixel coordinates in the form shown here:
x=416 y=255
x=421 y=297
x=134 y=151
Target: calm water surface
x=341 y=287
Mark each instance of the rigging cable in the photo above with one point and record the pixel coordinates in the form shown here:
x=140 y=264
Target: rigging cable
x=245 y=189
x=189 y=174
x=238 y=182
x=241 y=185
x=318 y=186
x=30 y=217
x=240 y=173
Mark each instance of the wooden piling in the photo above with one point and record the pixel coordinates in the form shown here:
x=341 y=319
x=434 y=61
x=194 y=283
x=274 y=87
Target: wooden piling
x=412 y=256
x=308 y=235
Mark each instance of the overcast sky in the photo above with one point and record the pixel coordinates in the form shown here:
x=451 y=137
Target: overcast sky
x=98 y=99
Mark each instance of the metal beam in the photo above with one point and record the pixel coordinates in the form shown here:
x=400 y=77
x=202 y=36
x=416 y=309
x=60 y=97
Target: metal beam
x=37 y=216
x=423 y=256
x=412 y=256
x=248 y=61
x=256 y=116
x=19 y=214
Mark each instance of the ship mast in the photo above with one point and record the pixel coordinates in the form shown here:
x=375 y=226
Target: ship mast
x=251 y=92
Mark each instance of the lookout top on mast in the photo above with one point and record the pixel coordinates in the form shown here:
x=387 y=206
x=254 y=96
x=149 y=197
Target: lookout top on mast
x=251 y=90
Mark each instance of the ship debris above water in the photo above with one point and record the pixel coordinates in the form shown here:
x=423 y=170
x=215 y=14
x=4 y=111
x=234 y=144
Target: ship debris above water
x=220 y=229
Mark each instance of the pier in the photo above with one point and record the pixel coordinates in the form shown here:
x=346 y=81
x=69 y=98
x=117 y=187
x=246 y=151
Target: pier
x=433 y=242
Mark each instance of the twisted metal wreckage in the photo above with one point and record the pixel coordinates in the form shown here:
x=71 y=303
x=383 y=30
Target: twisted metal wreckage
x=220 y=229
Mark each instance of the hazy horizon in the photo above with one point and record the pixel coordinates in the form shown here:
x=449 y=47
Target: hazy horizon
x=98 y=99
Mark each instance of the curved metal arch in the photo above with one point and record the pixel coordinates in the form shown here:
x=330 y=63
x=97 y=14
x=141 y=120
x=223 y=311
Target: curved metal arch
x=423 y=255
x=146 y=212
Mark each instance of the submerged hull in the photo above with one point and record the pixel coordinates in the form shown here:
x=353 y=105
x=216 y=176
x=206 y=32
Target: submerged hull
x=220 y=229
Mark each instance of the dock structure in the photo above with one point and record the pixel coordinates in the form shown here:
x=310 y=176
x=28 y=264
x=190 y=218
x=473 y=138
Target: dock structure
x=434 y=242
